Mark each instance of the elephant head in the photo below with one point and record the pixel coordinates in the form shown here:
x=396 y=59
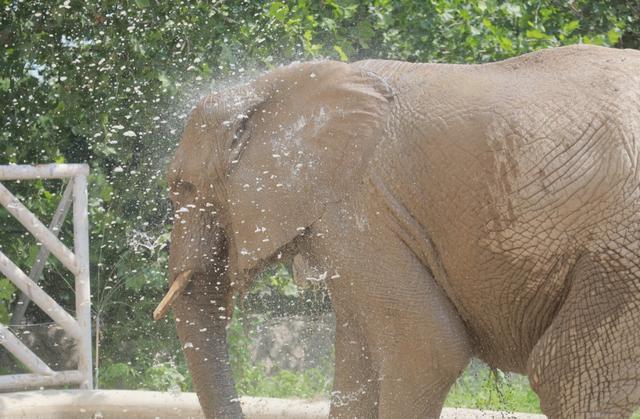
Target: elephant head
x=256 y=167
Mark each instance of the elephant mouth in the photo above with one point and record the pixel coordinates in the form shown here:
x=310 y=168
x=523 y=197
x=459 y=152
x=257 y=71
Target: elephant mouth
x=175 y=290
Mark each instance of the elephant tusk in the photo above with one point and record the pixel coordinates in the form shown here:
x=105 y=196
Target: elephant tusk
x=174 y=292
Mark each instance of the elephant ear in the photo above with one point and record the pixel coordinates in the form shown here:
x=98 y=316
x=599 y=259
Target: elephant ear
x=308 y=144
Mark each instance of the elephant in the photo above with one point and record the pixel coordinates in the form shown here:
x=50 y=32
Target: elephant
x=452 y=211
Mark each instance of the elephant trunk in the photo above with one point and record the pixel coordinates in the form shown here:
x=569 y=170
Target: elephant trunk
x=201 y=298
x=201 y=323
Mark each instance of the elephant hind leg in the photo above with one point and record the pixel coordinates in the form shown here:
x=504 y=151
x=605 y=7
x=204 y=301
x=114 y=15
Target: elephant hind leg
x=587 y=363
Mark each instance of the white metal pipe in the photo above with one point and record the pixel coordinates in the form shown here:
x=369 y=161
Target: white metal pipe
x=83 y=285
x=8 y=382
x=36 y=270
x=41 y=298
x=39 y=230
x=22 y=352
x=139 y=404
x=77 y=263
x=42 y=171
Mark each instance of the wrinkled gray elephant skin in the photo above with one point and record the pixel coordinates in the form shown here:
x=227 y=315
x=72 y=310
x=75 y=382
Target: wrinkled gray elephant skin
x=452 y=211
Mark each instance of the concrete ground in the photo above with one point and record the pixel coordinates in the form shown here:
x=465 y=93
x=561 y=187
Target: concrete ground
x=81 y=404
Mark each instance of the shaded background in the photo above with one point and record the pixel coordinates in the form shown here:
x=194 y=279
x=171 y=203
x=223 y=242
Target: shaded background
x=109 y=83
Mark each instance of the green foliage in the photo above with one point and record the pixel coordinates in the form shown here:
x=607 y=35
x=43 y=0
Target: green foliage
x=481 y=388
x=312 y=382
x=275 y=282
x=110 y=83
x=160 y=377
x=253 y=379
x=7 y=290
x=163 y=377
x=275 y=293
x=118 y=375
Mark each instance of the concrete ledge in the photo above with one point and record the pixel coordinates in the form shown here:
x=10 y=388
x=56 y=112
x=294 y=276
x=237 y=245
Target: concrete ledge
x=81 y=404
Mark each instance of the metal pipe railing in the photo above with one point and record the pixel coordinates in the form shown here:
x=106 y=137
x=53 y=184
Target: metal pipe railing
x=41 y=298
x=39 y=230
x=24 y=354
x=11 y=382
x=83 y=288
x=17 y=317
x=42 y=171
x=77 y=262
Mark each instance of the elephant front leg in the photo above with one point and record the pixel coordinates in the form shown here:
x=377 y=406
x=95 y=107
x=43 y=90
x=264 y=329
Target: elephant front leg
x=355 y=384
x=411 y=347
x=423 y=347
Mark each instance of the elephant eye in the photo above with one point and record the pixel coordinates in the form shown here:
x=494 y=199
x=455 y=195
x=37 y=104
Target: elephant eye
x=187 y=187
x=182 y=186
x=181 y=190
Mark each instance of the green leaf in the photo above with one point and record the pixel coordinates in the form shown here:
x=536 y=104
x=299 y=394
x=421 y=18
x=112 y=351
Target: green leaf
x=613 y=36
x=506 y=43
x=343 y=56
x=278 y=10
x=5 y=316
x=7 y=289
x=364 y=33
x=164 y=80
x=536 y=34
x=568 y=28
x=308 y=36
x=7 y=292
x=106 y=192
x=513 y=9
x=487 y=24
x=328 y=24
